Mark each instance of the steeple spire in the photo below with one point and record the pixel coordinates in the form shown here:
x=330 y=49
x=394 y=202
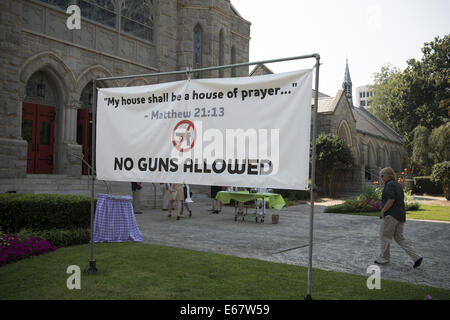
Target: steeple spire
x=347 y=84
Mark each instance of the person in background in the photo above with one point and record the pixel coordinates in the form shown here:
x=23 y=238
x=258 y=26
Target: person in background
x=165 y=196
x=187 y=199
x=216 y=204
x=176 y=193
x=135 y=189
x=240 y=205
x=393 y=215
x=261 y=202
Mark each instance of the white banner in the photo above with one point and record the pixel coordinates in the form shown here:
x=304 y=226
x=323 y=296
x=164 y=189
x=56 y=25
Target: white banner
x=242 y=132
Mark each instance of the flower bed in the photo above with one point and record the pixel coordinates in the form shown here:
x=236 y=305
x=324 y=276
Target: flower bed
x=370 y=201
x=14 y=248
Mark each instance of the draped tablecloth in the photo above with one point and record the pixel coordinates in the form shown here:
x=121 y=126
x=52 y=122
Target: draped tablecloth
x=114 y=220
x=273 y=200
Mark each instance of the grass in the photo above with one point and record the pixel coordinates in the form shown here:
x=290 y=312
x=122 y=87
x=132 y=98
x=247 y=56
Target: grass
x=425 y=212
x=143 y=271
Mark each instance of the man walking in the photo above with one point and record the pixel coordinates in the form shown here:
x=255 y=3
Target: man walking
x=393 y=215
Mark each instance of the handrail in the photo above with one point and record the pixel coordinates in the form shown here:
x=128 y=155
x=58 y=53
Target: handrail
x=108 y=189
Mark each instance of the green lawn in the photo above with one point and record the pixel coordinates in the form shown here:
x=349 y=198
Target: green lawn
x=143 y=271
x=426 y=212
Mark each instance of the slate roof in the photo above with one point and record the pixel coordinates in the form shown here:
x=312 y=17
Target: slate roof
x=366 y=122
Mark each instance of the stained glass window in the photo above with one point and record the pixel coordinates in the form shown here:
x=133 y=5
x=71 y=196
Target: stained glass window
x=63 y=4
x=101 y=11
x=137 y=18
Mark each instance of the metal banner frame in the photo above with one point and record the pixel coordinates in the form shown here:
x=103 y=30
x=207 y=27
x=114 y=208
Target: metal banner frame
x=92 y=263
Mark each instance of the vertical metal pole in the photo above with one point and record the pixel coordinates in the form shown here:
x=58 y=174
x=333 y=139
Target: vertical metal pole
x=313 y=179
x=92 y=264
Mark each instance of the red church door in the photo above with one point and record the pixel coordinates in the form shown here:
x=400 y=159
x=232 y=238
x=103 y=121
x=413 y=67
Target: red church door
x=84 y=127
x=38 y=128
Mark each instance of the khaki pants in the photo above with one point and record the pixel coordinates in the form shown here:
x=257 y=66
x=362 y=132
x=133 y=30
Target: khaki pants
x=392 y=228
x=137 y=201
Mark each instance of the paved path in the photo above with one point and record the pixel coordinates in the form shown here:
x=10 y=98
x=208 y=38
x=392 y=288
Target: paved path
x=344 y=243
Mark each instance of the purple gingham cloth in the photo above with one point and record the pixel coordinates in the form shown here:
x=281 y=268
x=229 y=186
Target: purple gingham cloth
x=114 y=220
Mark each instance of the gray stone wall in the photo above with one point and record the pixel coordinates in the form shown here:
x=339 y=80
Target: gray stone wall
x=212 y=16
x=33 y=37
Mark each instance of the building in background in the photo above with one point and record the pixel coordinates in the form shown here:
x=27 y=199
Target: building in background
x=363 y=96
x=47 y=73
x=373 y=144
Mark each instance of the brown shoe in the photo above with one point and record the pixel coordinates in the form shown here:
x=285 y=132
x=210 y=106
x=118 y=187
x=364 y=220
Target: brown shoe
x=417 y=263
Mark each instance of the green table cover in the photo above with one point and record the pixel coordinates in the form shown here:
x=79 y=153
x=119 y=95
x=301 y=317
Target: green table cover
x=273 y=200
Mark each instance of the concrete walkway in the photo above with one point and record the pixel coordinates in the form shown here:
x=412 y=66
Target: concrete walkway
x=344 y=243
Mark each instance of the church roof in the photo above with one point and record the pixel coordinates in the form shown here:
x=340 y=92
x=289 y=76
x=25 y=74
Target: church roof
x=260 y=69
x=347 y=78
x=366 y=122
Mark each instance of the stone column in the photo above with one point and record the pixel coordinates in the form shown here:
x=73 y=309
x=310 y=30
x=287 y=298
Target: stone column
x=72 y=151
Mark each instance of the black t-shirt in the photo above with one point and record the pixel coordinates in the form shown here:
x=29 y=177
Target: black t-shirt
x=135 y=186
x=394 y=190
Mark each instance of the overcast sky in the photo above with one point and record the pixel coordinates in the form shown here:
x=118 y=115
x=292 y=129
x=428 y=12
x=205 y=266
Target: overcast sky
x=369 y=32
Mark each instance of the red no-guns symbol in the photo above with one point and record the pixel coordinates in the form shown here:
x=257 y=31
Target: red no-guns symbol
x=184 y=131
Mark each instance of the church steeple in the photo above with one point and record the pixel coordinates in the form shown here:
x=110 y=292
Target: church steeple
x=347 y=84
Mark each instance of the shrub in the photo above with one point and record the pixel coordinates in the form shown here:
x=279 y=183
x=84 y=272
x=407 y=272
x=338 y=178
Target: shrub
x=411 y=203
x=43 y=212
x=372 y=193
x=293 y=194
x=441 y=175
x=14 y=248
x=355 y=205
x=426 y=185
x=363 y=203
x=61 y=237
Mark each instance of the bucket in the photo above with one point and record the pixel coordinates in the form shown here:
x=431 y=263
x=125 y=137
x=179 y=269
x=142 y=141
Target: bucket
x=275 y=218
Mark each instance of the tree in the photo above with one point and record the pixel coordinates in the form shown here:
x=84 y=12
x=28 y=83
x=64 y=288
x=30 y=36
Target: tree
x=441 y=174
x=420 y=163
x=388 y=95
x=439 y=142
x=332 y=153
x=417 y=96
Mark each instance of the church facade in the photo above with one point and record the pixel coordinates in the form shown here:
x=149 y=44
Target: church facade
x=48 y=69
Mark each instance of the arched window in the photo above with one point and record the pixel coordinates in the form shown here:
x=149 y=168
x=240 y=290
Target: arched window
x=136 y=18
x=221 y=52
x=372 y=156
x=233 y=60
x=86 y=97
x=40 y=89
x=344 y=133
x=198 y=47
x=101 y=11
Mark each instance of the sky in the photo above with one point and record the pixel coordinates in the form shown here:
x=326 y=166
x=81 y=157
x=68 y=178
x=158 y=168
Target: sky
x=370 y=33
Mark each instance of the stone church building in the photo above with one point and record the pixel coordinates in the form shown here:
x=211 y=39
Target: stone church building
x=373 y=144
x=47 y=73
